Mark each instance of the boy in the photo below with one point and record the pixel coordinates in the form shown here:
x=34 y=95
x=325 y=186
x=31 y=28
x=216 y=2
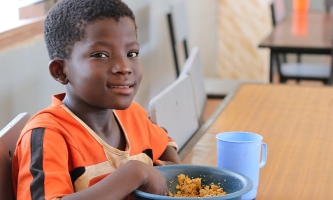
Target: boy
x=93 y=142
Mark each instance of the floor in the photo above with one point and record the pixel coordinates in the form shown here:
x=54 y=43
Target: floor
x=211 y=105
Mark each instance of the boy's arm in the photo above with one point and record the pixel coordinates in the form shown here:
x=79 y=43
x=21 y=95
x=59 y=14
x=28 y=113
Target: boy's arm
x=169 y=156
x=53 y=179
x=129 y=177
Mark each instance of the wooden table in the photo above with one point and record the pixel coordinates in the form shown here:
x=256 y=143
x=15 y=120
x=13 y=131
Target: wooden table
x=296 y=123
x=310 y=34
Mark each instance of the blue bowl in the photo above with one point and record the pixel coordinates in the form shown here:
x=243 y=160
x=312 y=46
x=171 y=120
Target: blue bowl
x=233 y=183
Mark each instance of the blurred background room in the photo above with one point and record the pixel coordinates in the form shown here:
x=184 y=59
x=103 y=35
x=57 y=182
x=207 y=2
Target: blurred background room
x=227 y=32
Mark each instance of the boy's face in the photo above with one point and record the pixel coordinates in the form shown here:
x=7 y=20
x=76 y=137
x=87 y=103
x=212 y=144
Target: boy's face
x=104 y=70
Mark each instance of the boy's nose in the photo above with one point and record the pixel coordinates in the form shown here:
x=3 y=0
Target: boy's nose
x=122 y=67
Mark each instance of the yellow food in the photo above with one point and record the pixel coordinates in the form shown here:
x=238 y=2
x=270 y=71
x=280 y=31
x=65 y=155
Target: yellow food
x=188 y=187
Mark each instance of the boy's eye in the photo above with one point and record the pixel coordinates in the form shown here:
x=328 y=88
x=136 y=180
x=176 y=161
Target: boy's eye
x=100 y=55
x=133 y=54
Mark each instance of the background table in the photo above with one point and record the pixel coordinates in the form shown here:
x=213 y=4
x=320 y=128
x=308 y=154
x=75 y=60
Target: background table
x=306 y=34
x=296 y=123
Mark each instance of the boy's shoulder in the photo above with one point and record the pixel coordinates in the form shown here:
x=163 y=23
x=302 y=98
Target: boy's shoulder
x=50 y=117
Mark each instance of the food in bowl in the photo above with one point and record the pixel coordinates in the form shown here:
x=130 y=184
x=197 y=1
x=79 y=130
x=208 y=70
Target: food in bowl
x=188 y=187
x=234 y=184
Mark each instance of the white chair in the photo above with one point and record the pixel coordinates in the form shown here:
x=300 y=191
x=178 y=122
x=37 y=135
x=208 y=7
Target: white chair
x=177 y=20
x=174 y=109
x=8 y=138
x=193 y=69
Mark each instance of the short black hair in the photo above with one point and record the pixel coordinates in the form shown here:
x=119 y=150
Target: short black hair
x=66 y=21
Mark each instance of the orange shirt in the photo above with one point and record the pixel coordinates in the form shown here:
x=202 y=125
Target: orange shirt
x=58 y=154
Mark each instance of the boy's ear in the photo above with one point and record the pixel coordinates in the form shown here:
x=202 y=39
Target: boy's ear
x=56 y=68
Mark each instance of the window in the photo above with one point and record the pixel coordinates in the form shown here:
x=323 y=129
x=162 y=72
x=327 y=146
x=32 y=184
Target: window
x=9 y=13
x=23 y=3
x=12 y=11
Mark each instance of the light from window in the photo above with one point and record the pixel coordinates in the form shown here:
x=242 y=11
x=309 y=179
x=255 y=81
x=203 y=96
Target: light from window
x=9 y=12
x=22 y=3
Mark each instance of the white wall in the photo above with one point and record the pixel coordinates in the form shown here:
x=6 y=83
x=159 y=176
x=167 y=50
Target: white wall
x=26 y=85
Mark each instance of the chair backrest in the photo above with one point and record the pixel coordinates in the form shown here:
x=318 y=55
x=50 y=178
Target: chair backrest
x=8 y=138
x=328 y=5
x=177 y=21
x=277 y=11
x=193 y=69
x=174 y=109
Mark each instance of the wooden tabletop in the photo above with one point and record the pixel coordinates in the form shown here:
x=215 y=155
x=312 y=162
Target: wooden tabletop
x=296 y=123
x=310 y=33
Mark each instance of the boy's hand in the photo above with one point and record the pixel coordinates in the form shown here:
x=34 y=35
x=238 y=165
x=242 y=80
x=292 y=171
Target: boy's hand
x=162 y=163
x=155 y=182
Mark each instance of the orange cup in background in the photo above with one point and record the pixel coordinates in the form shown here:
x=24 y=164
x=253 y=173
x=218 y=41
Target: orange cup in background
x=301 y=6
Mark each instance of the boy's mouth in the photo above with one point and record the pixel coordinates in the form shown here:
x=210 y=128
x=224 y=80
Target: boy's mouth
x=122 y=86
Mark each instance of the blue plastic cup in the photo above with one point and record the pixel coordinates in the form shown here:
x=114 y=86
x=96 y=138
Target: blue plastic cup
x=241 y=152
